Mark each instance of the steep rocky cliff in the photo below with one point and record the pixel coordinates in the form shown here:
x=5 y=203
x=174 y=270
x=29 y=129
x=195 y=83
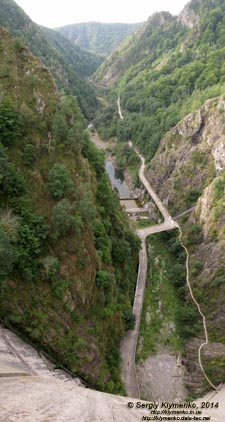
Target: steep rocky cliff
x=69 y=64
x=67 y=256
x=189 y=170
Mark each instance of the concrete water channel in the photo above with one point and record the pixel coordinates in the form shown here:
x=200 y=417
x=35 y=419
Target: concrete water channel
x=117 y=180
x=32 y=391
x=129 y=344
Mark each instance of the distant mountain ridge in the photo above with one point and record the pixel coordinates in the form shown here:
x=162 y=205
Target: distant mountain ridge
x=68 y=63
x=101 y=38
x=168 y=67
x=170 y=78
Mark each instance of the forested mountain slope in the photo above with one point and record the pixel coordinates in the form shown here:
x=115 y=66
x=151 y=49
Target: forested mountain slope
x=171 y=82
x=155 y=37
x=83 y=62
x=69 y=64
x=101 y=38
x=67 y=256
x=168 y=69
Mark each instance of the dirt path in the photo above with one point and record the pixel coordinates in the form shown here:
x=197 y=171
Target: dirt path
x=99 y=142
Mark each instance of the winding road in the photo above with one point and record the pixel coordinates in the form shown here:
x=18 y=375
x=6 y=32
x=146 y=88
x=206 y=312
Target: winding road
x=129 y=343
x=119 y=108
x=128 y=346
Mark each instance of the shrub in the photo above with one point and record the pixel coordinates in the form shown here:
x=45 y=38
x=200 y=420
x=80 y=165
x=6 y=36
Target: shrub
x=10 y=223
x=193 y=234
x=192 y=197
x=178 y=275
x=8 y=122
x=129 y=319
x=8 y=254
x=29 y=155
x=59 y=288
x=196 y=267
x=60 y=183
x=104 y=278
x=63 y=220
x=51 y=267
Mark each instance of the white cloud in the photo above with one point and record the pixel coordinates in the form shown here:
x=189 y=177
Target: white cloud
x=54 y=13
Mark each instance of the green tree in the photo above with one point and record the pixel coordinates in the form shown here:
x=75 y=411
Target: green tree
x=29 y=155
x=60 y=128
x=8 y=254
x=11 y=181
x=60 y=183
x=64 y=220
x=129 y=319
x=9 y=122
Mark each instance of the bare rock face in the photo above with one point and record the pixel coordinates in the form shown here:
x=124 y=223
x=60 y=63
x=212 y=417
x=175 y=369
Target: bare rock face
x=190 y=155
x=190 y=125
x=189 y=169
x=195 y=380
x=188 y=17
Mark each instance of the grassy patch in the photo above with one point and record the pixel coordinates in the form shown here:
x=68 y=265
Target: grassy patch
x=161 y=304
x=142 y=223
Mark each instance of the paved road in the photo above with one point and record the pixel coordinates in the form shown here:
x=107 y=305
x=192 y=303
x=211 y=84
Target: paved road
x=128 y=349
x=129 y=343
x=119 y=108
x=30 y=391
x=150 y=190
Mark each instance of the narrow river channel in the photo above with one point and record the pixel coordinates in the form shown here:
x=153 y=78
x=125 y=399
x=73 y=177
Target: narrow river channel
x=117 y=180
x=164 y=369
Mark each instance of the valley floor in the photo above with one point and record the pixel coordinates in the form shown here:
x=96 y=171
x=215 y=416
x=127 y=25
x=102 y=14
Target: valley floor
x=161 y=379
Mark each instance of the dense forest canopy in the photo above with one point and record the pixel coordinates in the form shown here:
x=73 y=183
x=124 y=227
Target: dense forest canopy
x=165 y=72
x=68 y=256
x=101 y=38
x=68 y=63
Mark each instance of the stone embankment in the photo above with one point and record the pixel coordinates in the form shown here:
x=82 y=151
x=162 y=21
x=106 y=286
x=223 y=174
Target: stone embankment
x=129 y=343
x=30 y=391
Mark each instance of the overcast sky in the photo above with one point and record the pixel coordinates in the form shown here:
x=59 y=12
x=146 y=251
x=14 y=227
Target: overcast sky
x=53 y=13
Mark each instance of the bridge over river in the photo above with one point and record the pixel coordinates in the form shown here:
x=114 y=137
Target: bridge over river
x=32 y=391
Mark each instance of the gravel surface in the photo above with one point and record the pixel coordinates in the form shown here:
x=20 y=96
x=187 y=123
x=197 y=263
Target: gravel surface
x=161 y=379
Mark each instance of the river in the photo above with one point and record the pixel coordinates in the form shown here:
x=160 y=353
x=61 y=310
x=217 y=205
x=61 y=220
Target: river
x=117 y=180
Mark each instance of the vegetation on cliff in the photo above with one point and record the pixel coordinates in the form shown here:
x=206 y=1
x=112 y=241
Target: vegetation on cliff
x=188 y=171
x=166 y=71
x=68 y=257
x=68 y=63
x=171 y=79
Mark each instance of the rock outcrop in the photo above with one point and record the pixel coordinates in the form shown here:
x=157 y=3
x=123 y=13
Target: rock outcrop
x=187 y=170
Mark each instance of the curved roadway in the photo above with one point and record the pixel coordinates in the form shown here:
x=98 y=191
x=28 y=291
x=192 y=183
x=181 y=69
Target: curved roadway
x=128 y=346
x=129 y=343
